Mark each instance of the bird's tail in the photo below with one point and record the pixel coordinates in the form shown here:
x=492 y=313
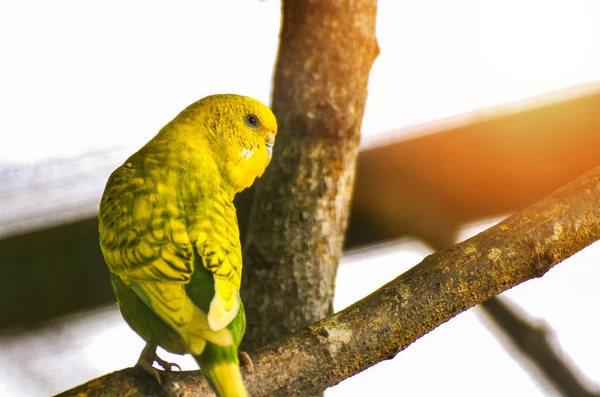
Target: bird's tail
x=221 y=367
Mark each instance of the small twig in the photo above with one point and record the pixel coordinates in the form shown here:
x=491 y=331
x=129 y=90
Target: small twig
x=533 y=342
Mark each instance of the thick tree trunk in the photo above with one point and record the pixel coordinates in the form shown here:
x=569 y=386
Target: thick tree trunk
x=296 y=229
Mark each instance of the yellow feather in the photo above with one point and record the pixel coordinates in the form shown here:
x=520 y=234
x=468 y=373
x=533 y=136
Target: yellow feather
x=169 y=208
x=233 y=388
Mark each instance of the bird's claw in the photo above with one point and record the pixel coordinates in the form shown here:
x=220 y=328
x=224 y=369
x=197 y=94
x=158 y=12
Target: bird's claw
x=149 y=357
x=167 y=366
x=246 y=360
x=147 y=367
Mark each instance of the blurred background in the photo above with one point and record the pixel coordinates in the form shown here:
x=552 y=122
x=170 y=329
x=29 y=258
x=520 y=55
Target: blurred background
x=475 y=110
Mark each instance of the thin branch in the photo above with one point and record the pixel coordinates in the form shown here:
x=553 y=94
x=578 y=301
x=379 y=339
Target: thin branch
x=533 y=342
x=376 y=328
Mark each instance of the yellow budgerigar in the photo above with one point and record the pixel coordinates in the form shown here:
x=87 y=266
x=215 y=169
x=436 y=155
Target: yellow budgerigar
x=169 y=233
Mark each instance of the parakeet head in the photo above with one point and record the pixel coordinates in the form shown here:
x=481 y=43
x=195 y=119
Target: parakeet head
x=241 y=132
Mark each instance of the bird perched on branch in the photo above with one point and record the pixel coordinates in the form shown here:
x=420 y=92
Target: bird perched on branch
x=170 y=237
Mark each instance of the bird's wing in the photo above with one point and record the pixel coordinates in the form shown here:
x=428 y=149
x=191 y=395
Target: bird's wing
x=143 y=230
x=144 y=239
x=215 y=232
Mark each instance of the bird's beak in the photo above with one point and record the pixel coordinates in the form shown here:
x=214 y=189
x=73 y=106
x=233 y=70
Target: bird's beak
x=270 y=142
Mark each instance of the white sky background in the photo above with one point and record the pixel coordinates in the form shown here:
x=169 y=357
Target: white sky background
x=80 y=76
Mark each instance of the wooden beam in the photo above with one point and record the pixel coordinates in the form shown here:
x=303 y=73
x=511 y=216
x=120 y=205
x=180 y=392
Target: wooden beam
x=427 y=187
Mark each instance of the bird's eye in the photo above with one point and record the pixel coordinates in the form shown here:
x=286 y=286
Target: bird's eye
x=251 y=121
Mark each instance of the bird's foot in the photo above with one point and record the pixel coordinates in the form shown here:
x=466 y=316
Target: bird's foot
x=246 y=360
x=149 y=357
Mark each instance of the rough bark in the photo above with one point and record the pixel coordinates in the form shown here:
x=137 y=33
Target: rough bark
x=296 y=230
x=444 y=284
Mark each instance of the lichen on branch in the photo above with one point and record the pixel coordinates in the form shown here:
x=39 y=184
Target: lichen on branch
x=376 y=328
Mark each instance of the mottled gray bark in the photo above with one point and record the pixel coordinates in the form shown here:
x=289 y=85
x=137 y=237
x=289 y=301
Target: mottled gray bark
x=296 y=230
x=378 y=327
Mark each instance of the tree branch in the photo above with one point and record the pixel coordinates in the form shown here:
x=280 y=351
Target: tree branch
x=533 y=342
x=376 y=328
x=299 y=218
